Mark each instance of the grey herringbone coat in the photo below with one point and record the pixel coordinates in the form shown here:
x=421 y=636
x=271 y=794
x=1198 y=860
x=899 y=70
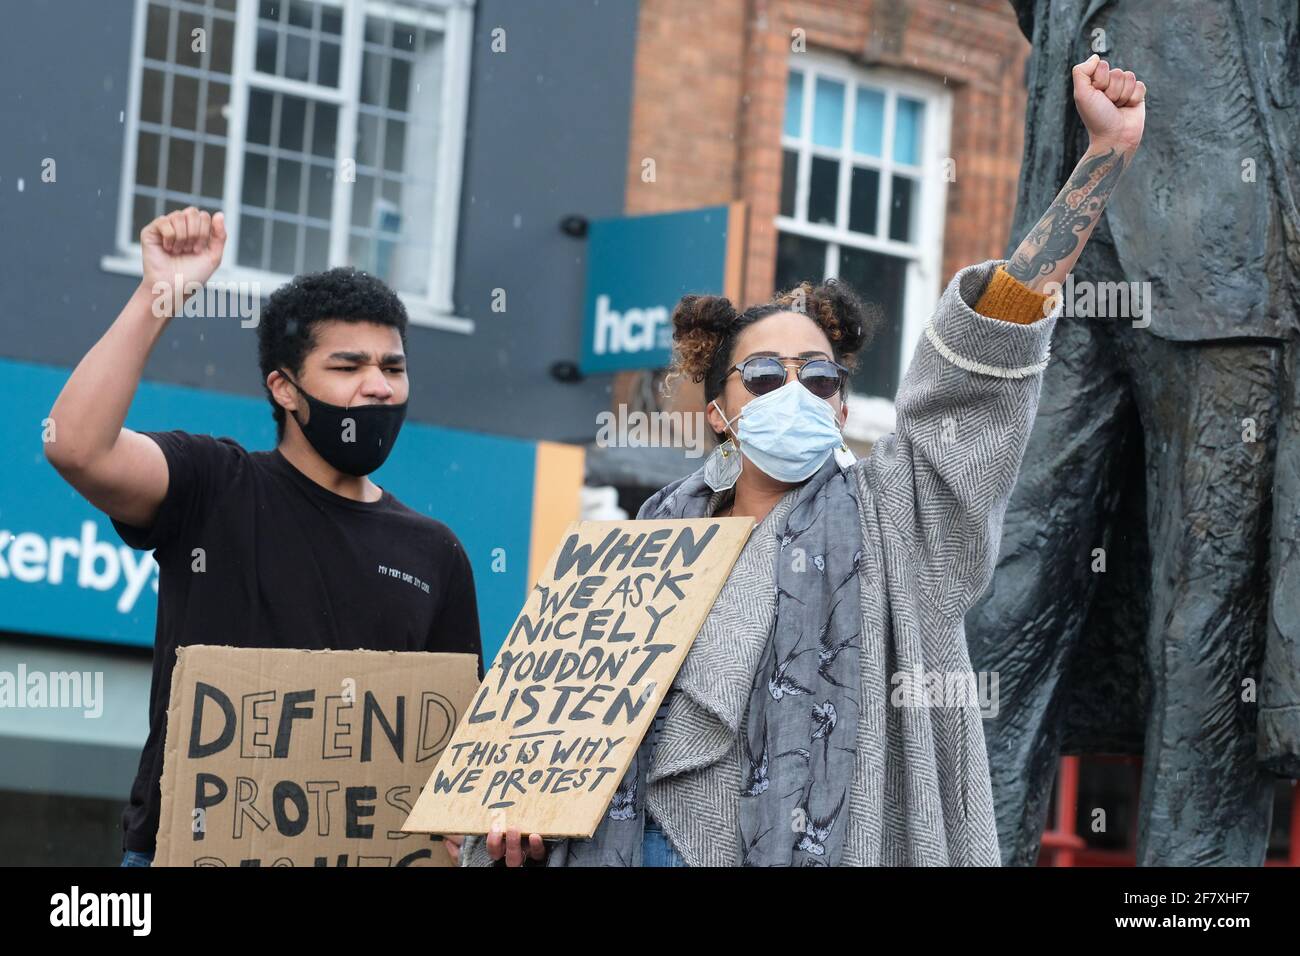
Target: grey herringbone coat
x=933 y=497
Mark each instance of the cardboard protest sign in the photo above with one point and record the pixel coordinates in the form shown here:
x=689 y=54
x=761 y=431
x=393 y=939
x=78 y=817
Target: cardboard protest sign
x=561 y=712
x=279 y=757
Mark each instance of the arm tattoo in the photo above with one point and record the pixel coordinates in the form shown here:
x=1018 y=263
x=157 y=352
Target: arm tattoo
x=1076 y=207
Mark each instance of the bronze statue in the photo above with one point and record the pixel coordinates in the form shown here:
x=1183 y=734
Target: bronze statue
x=1147 y=594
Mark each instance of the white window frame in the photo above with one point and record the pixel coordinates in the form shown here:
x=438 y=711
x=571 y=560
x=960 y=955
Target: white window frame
x=922 y=280
x=455 y=18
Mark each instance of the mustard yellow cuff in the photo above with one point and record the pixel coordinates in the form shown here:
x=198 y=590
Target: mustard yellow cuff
x=1010 y=300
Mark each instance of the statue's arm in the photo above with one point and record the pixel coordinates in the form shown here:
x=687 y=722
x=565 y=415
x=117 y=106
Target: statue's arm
x=1112 y=104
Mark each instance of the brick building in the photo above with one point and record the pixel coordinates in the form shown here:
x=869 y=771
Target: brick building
x=874 y=140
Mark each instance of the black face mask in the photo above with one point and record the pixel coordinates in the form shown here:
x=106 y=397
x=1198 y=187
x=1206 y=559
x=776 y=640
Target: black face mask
x=354 y=440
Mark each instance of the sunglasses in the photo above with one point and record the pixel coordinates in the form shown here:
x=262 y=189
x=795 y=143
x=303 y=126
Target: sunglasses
x=761 y=374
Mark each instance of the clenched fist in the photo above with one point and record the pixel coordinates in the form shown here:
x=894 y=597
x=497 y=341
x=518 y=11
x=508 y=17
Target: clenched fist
x=181 y=250
x=1111 y=103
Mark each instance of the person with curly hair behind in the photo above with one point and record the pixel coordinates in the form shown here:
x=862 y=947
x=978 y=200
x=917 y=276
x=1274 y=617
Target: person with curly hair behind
x=815 y=721
x=290 y=539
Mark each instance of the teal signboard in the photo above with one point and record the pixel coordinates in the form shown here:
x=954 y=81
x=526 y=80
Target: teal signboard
x=638 y=267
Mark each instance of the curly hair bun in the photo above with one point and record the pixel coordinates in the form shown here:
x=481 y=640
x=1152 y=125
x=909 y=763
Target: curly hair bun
x=700 y=325
x=838 y=311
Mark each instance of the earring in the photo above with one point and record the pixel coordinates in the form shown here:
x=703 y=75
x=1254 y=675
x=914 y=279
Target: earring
x=722 y=467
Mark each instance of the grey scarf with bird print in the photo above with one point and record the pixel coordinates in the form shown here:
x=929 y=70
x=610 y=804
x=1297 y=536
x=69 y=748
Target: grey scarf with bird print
x=801 y=721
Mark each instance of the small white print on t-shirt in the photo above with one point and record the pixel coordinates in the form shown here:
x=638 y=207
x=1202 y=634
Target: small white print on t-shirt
x=403 y=576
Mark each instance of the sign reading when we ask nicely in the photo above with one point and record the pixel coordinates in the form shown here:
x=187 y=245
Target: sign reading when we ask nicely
x=554 y=726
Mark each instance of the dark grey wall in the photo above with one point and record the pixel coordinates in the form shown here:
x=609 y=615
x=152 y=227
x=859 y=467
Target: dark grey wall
x=546 y=136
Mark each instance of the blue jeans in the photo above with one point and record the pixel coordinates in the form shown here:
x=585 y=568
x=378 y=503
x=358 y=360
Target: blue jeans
x=655 y=848
x=135 y=858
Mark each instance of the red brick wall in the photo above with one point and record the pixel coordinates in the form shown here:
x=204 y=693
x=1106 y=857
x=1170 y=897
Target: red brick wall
x=709 y=98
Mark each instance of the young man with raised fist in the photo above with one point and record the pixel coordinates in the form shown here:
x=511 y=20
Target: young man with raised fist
x=283 y=548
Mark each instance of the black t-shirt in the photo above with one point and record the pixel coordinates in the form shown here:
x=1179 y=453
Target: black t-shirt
x=285 y=563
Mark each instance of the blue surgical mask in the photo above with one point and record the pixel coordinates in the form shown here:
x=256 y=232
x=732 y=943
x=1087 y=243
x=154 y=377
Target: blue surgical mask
x=788 y=433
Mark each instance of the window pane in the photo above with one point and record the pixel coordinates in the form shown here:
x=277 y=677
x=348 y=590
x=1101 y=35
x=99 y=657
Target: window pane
x=878 y=280
x=823 y=190
x=251 y=241
x=361 y=253
x=268 y=43
x=327 y=66
x=214 y=172
x=907 y=131
x=372 y=78
x=392 y=191
x=142 y=213
x=828 y=113
x=156 y=31
x=869 y=122
x=404 y=38
x=864 y=200
x=256 y=176
x=300 y=13
x=789 y=180
x=799 y=258
x=320 y=192
x=288 y=184
x=316 y=254
x=399 y=82
x=388 y=219
x=218 y=100
x=297 y=57
x=794 y=103
x=185 y=102
x=180 y=165
x=902 y=205
x=367 y=139
x=259 y=117
x=151 y=96
x=146 y=159
x=394 y=145
x=222 y=46
x=284 y=248
x=363 y=202
x=293 y=121
x=324 y=133
x=186 y=40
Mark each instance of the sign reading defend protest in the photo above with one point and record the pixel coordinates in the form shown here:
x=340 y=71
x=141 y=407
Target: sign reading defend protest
x=558 y=718
x=279 y=757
